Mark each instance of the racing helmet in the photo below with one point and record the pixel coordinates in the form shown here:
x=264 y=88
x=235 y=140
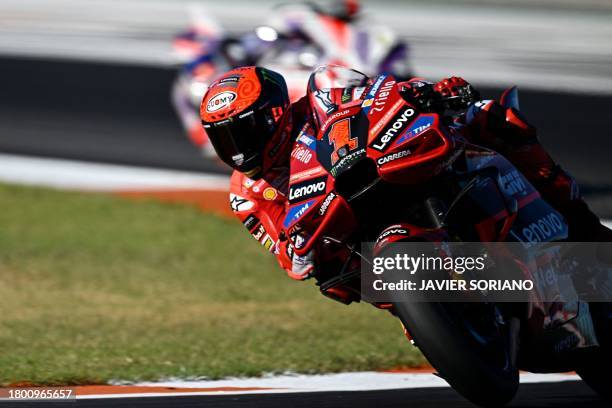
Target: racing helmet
x=241 y=112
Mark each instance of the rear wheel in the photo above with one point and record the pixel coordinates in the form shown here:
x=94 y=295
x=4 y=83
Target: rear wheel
x=468 y=345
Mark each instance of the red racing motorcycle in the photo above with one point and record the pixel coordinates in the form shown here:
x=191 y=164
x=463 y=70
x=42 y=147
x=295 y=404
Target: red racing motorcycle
x=377 y=169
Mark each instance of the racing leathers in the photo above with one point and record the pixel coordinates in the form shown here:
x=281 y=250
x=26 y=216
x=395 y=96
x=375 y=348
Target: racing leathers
x=261 y=205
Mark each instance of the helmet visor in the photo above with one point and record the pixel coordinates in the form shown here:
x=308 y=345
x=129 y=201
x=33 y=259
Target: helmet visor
x=240 y=141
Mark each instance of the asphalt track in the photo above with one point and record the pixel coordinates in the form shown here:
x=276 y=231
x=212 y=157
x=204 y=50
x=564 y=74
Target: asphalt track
x=561 y=395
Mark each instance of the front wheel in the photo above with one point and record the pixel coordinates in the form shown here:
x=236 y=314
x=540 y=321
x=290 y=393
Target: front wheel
x=468 y=347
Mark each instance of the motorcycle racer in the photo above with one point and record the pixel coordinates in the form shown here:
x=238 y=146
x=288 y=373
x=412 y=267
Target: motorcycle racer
x=252 y=126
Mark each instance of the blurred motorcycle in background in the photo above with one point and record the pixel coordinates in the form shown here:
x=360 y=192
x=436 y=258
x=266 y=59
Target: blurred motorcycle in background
x=297 y=38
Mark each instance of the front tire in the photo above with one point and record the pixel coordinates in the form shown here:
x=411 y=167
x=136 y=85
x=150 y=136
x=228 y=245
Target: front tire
x=486 y=377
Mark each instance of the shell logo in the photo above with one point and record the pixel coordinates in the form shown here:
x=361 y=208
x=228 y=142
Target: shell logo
x=220 y=101
x=269 y=193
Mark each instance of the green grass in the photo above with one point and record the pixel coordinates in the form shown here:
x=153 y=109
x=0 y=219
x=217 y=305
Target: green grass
x=94 y=288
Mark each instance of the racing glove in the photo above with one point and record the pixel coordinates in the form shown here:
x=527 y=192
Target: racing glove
x=297 y=267
x=450 y=94
x=456 y=93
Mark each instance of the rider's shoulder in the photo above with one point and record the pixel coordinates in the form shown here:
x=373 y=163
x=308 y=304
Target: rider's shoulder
x=258 y=190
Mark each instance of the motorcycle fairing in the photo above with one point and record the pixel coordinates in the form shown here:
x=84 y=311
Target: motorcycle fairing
x=518 y=198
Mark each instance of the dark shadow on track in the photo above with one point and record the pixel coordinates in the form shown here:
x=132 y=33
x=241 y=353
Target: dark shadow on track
x=561 y=395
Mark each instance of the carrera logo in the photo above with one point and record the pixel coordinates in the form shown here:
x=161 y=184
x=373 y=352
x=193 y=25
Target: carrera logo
x=389 y=133
x=393 y=156
x=302 y=154
x=220 y=101
x=307 y=189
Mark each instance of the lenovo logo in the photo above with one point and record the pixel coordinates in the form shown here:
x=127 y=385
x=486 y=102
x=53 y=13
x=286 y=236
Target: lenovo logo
x=307 y=189
x=398 y=123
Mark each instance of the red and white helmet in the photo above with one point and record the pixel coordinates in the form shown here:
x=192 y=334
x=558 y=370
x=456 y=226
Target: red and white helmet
x=241 y=113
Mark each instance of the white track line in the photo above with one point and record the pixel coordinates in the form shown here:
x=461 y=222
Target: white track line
x=87 y=176
x=359 y=381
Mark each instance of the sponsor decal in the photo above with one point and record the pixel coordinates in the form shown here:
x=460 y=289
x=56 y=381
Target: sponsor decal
x=543 y=229
x=270 y=194
x=513 y=183
x=296 y=212
x=376 y=85
x=325 y=204
x=302 y=154
x=250 y=222
x=315 y=171
x=324 y=100
x=238 y=203
x=386 y=117
x=393 y=129
x=346 y=161
x=346 y=95
x=238 y=159
x=367 y=102
x=267 y=242
x=289 y=251
x=419 y=126
x=305 y=139
x=307 y=189
x=393 y=156
x=220 y=101
x=339 y=136
x=298 y=241
x=233 y=78
x=381 y=97
x=358 y=92
x=475 y=110
x=392 y=231
x=245 y=114
x=259 y=232
x=332 y=118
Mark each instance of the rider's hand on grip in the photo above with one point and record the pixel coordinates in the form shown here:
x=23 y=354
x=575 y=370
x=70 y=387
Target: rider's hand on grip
x=455 y=93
